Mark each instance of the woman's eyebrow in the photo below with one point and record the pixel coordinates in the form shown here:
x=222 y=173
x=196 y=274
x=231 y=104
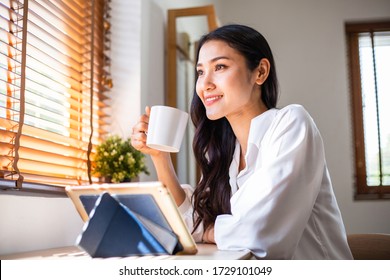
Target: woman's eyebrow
x=213 y=60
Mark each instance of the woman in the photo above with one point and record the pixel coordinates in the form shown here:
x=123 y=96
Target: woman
x=265 y=185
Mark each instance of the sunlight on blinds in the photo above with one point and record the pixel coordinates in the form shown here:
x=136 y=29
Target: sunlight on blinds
x=64 y=92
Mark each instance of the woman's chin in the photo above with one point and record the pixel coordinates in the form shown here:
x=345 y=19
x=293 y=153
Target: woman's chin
x=213 y=116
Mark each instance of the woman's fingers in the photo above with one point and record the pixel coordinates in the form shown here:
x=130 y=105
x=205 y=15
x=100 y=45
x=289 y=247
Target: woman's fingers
x=139 y=134
x=147 y=111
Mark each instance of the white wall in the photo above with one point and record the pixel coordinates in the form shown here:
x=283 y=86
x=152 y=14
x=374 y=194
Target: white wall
x=126 y=65
x=307 y=38
x=32 y=223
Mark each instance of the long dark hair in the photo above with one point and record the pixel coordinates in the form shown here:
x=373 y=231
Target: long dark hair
x=214 y=141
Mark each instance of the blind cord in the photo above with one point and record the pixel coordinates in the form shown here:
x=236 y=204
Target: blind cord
x=89 y=169
x=19 y=181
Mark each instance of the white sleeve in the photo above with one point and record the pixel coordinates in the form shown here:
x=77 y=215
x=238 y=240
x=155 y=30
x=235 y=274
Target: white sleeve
x=186 y=209
x=271 y=209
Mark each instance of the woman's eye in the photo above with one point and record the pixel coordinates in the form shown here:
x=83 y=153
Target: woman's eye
x=219 y=67
x=200 y=72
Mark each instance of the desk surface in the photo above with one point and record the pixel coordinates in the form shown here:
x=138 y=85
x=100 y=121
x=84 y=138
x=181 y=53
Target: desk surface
x=205 y=252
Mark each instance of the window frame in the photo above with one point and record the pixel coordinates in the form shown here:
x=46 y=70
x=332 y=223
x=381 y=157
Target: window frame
x=353 y=29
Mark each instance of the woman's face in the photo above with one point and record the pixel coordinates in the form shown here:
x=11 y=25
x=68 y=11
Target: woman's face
x=225 y=85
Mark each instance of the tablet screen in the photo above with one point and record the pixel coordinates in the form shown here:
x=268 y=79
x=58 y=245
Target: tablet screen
x=142 y=204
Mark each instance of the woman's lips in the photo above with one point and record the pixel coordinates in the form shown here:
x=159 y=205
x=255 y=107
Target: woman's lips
x=209 y=100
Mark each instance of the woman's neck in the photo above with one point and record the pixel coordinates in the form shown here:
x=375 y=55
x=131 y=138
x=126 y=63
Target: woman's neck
x=241 y=127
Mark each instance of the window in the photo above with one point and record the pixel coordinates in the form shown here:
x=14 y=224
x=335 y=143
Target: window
x=369 y=62
x=54 y=81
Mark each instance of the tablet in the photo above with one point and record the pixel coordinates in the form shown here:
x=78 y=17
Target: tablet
x=151 y=200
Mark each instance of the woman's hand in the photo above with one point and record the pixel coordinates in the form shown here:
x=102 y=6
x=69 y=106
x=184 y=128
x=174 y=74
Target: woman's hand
x=140 y=134
x=208 y=235
x=162 y=160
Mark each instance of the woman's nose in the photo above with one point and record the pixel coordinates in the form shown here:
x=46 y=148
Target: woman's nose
x=207 y=82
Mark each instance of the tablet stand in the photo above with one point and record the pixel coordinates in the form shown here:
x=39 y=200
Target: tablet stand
x=113 y=230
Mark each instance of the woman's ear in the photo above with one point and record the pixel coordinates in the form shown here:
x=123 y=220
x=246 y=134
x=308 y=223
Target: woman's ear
x=263 y=71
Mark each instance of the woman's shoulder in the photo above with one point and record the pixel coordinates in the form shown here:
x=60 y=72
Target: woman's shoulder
x=292 y=119
x=294 y=112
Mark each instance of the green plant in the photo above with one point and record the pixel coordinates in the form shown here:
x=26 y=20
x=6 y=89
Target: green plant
x=117 y=160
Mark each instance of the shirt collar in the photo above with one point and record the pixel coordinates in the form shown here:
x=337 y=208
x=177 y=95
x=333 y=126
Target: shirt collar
x=259 y=126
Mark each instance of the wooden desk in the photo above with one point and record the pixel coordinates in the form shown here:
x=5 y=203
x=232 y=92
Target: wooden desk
x=205 y=252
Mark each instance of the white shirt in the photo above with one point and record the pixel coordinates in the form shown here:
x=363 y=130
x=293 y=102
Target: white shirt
x=282 y=204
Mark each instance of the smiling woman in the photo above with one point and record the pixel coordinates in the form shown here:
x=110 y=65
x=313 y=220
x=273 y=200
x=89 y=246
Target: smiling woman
x=265 y=184
x=53 y=79
x=229 y=72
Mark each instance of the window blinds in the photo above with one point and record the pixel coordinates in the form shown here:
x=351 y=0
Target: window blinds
x=54 y=80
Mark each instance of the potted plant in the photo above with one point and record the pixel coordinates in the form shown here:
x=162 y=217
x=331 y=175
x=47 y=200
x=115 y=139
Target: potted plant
x=117 y=160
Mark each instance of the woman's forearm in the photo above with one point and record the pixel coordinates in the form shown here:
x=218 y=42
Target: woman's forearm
x=167 y=175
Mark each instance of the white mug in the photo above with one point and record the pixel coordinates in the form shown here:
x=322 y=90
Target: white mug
x=166 y=128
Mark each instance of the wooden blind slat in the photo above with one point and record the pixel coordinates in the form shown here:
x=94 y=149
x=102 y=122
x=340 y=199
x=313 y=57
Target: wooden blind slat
x=50 y=169
x=56 y=11
x=46 y=136
x=44 y=145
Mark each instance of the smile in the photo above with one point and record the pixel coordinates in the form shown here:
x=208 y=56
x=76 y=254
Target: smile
x=211 y=99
